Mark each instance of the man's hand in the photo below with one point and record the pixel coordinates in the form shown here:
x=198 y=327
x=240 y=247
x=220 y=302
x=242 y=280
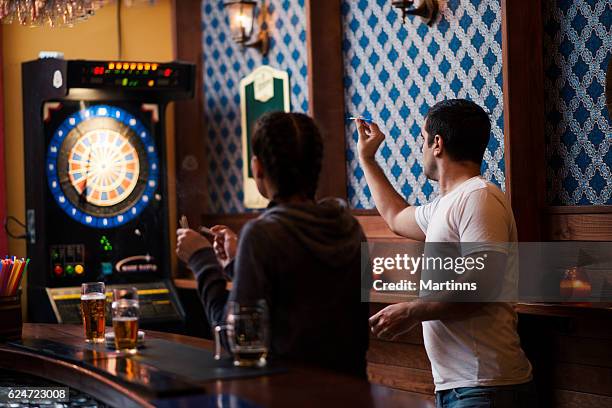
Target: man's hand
x=392 y=321
x=370 y=139
x=224 y=244
x=188 y=242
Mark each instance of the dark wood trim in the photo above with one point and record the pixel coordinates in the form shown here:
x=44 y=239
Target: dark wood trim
x=568 y=226
x=375 y=228
x=578 y=223
x=189 y=125
x=578 y=310
x=398 y=354
x=403 y=378
x=3 y=204
x=589 y=310
x=524 y=144
x=326 y=90
x=372 y=212
x=389 y=297
x=580 y=209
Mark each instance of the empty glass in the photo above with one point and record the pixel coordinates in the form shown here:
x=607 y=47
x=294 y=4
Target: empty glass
x=247 y=328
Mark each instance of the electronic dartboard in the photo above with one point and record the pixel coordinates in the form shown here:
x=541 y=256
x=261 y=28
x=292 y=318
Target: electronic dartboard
x=102 y=166
x=96 y=181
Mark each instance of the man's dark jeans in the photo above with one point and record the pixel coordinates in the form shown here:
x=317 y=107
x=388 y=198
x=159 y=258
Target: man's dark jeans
x=506 y=396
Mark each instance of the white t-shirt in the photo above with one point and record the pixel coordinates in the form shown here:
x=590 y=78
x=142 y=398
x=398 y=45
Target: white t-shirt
x=482 y=350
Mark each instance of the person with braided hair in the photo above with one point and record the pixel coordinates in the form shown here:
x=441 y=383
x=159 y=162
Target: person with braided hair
x=300 y=255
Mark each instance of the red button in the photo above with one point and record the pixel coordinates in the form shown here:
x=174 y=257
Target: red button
x=58 y=270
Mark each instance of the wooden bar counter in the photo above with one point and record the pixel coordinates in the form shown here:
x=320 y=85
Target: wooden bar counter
x=295 y=387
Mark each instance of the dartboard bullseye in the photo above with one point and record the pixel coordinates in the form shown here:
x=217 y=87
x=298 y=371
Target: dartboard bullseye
x=102 y=166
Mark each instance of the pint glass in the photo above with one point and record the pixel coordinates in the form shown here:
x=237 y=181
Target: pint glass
x=93 y=310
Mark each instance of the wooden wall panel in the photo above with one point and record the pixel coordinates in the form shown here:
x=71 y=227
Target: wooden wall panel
x=413 y=337
x=326 y=90
x=190 y=129
x=579 y=223
x=403 y=378
x=401 y=363
x=523 y=89
x=375 y=227
x=571 y=358
x=583 y=350
x=571 y=399
x=190 y=171
x=583 y=378
x=398 y=354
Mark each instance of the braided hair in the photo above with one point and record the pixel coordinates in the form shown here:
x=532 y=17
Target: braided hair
x=290 y=149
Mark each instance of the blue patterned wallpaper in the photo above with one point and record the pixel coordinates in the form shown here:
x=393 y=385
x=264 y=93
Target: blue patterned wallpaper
x=225 y=64
x=577 y=46
x=394 y=72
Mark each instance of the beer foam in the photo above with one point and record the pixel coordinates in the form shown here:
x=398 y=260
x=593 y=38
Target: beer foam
x=125 y=319
x=93 y=296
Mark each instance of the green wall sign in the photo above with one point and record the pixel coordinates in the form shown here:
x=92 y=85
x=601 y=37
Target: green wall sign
x=263 y=90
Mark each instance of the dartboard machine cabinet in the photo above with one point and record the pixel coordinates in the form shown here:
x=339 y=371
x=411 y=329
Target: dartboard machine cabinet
x=96 y=183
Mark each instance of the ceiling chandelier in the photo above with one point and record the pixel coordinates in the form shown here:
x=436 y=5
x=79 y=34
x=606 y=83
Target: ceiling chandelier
x=54 y=13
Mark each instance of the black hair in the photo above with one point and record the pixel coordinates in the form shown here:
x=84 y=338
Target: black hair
x=464 y=127
x=290 y=149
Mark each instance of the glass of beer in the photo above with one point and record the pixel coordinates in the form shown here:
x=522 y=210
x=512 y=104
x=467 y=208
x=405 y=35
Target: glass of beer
x=93 y=310
x=125 y=324
x=247 y=329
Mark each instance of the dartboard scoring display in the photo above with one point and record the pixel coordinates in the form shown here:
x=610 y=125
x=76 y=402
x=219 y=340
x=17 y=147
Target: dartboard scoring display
x=102 y=166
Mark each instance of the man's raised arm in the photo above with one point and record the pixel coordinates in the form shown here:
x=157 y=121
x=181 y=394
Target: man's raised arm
x=398 y=215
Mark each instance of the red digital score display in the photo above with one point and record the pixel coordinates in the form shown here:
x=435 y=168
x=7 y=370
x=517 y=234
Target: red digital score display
x=116 y=68
x=132 y=75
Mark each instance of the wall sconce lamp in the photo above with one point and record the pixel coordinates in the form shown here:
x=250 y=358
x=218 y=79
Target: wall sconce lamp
x=241 y=15
x=427 y=9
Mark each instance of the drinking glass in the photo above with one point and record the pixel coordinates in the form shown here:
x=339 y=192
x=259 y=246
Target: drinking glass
x=125 y=293
x=125 y=324
x=93 y=310
x=247 y=328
